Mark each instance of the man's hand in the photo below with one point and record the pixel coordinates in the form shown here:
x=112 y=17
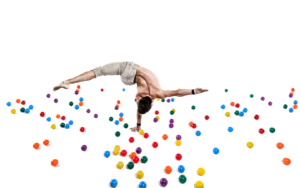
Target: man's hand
x=200 y=90
x=135 y=129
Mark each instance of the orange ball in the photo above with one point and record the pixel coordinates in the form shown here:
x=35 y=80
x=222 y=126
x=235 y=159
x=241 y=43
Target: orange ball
x=118 y=102
x=121 y=119
x=46 y=142
x=191 y=123
x=165 y=137
x=292 y=89
x=18 y=100
x=80 y=103
x=286 y=161
x=280 y=145
x=78 y=87
x=57 y=116
x=292 y=93
x=133 y=154
x=77 y=90
x=54 y=162
x=36 y=145
x=232 y=103
x=168 y=169
x=295 y=106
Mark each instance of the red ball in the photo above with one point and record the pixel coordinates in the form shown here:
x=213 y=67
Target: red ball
x=102 y=90
x=135 y=159
x=82 y=129
x=123 y=153
x=42 y=114
x=155 y=144
x=23 y=102
x=156 y=112
x=146 y=135
x=194 y=126
x=63 y=117
x=256 y=117
x=131 y=139
x=206 y=117
x=261 y=131
x=178 y=156
x=237 y=105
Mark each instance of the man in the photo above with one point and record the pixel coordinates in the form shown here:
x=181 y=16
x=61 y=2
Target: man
x=148 y=87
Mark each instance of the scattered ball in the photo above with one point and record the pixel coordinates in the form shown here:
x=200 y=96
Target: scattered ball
x=55 y=100
x=117 y=134
x=48 y=95
x=155 y=144
x=182 y=179
x=76 y=106
x=138 y=150
x=178 y=142
x=42 y=114
x=48 y=119
x=165 y=137
x=144 y=159
x=96 y=116
x=230 y=129
x=198 y=133
x=140 y=174
x=291 y=110
x=171 y=125
x=111 y=118
x=227 y=114
x=8 y=103
x=117 y=122
x=272 y=130
x=262 y=98
x=178 y=137
x=13 y=111
x=250 y=145
x=168 y=169
x=135 y=159
x=201 y=171
x=142 y=184
x=71 y=103
x=163 y=182
x=251 y=96
x=193 y=107
x=84 y=148
x=261 y=131
x=62 y=125
x=113 y=183
x=130 y=165
x=256 y=117
x=216 y=151
x=286 y=161
x=146 y=135
x=270 y=103
x=199 y=184
x=181 y=169
x=226 y=90
x=71 y=122
x=241 y=114
x=237 y=105
x=27 y=111
x=245 y=110
x=131 y=139
x=223 y=106
x=80 y=99
x=206 y=117
x=125 y=125
x=120 y=165
x=88 y=111
x=280 y=145
x=53 y=126
x=295 y=102
x=36 y=145
x=178 y=156
x=172 y=99
x=82 y=129
x=46 y=142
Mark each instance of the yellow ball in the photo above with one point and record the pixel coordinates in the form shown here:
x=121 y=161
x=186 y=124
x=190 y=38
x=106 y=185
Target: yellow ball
x=116 y=152
x=201 y=171
x=117 y=147
x=250 y=145
x=227 y=114
x=13 y=111
x=178 y=88
x=173 y=110
x=140 y=174
x=178 y=142
x=157 y=117
x=141 y=132
x=53 y=126
x=157 y=99
x=120 y=165
x=199 y=184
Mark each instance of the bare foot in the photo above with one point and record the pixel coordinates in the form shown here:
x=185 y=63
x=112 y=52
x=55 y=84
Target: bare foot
x=135 y=129
x=200 y=90
x=61 y=85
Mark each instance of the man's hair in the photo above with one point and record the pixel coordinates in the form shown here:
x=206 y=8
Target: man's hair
x=144 y=105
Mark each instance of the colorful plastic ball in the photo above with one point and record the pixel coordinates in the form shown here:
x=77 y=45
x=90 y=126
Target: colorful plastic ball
x=262 y=98
x=111 y=118
x=48 y=95
x=295 y=106
x=261 y=131
x=62 y=125
x=140 y=174
x=245 y=110
x=67 y=126
x=101 y=90
x=168 y=169
x=199 y=184
x=117 y=122
x=272 y=130
x=230 y=129
x=116 y=152
x=178 y=137
x=223 y=106
x=133 y=154
x=23 y=102
x=71 y=103
x=232 y=103
x=76 y=106
x=117 y=147
x=53 y=126
x=206 y=117
x=291 y=110
x=193 y=107
x=22 y=109
x=76 y=92
x=55 y=100
x=96 y=116
x=78 y=86
x=146 y=135
x=48 y=118
x=123 y=153
x=135 y=159
x=80 y=99
x=290 y=95
x=241 y=114
x=46 y=142
x=226 y=90
x=130 y=165
x=198 y=133
x=165 y=137
x=270 y=103
x=142 y=184
x=250 y=145
x=172 y=99
x=171 y=125
x=293 y=89
x=162 y=100
x=156 y=112
x=171 y=120
x=8 y=103
x=120 y=165
x=201 y=171
x=172 y=112
x=63 y=117
x=178 y=156
x=155 y=144
x=121 y=114
x=157 y=117
x=163 y=182
x=36 y=145
x=117 y=134
x=182 y=179
x=155 y=120
x=82 y=129
x=88 y=111
x=237 y=105
x=286 y=161
x=116 y=107
x=237 y=112
x=30 y=107
x=123 y=89
x=18 y=101
x=71 y=122
x=168 y=100
x=27 y=111
x=83 y=148
x=280 y=145
x=194 y=126
x=138 y=150
x=251 y=95
x=178 y=143
x=131 y=139
x=256 y=117
x=125 y=126
x=295 y=102
x=181 y=169
x=144 y=159
x=216 y=151
x=227 y=114
x=141 y=132
x=113 y=183
x=54 y=162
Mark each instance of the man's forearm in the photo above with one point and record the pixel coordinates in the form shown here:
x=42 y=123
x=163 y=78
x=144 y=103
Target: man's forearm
x=184 y=92
x=139 y=118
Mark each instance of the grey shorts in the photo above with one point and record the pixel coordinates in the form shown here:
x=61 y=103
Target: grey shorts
x=127 y=71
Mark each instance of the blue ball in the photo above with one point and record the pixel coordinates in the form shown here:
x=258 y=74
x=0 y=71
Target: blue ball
x=172 y=99
x=48 y=119
x=123 y=89
x=67 y=126
x=142 y=184
x=117 y=122
x=76 y=106
x=113 y=183
x=106 y=154
x=223 y=106
x=295 y=102
x=181 y=169
x=230 y=129
x=198 y=133
x=216 y=151
x=121 y=114
x=291 y=110
x=71 y=122
x=8 y=103
x=241 y=114
x=245 y=110
x=30 y=107
x=27 y=111
x=80 y=99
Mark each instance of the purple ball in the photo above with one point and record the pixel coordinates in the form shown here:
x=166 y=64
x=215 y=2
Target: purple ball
x=291 y=95
x=163 y=182
x=262 y=98
x=138 y=150
x=83 y=148
x=155 y=120
x=168 y=100
x=55 y=100
x=48 y=95
x=178 y=137
x=171 y=125
x=135 y=100
x=270 y=103
x=76 y=92
x=171 y=121
x=88 y=110
x=116 y=108
x=96 y=115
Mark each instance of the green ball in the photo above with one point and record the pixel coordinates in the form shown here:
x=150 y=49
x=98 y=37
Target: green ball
x=125 y=125
x=193 y=107
x=226 y=90
x=182 y=179
x=130 y=165
x=111 y=119
x=251 y=95
x=62 y=125
x=272 y=130
x=118 y=134
x=172 y=112
x=162 y=100
x=144 y=159
x=22 y=109
x=237 y=112
x=285 y=106
x=71 y=103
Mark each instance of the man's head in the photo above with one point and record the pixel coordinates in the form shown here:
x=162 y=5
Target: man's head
x=144 y=105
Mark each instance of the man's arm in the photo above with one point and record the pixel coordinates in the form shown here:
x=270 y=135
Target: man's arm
x=139 y=118
x=179 y=93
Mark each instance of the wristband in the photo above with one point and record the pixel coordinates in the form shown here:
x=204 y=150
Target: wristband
x=193 y=92
x=138 y=124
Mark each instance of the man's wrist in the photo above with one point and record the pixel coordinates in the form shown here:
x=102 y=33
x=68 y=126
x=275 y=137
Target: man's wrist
x=138 y=124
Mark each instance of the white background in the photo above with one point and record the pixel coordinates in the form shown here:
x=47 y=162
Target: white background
x=245 y=46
